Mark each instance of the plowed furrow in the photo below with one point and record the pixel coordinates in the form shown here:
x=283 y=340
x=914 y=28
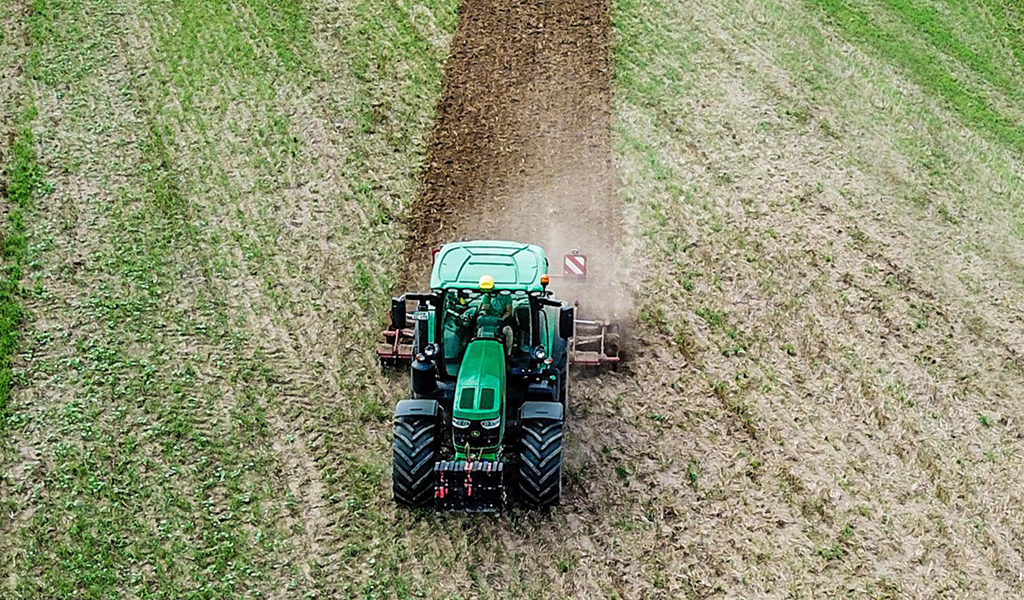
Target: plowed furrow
x=521 y=145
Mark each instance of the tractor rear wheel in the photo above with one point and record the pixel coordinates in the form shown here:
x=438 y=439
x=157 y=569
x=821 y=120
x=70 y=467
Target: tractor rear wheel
x=540 y=469
x=412 y=459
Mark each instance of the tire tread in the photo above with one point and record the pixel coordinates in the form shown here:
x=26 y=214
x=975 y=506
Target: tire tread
x=413 y=456
x=540 y=470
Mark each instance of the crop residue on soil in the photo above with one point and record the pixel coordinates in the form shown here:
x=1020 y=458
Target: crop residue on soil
x=521 y=146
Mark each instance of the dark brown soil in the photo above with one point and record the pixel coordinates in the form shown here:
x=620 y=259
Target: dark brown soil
x=520 y=148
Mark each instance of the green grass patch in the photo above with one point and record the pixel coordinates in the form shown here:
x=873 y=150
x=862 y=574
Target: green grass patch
x=24 y=182
x=901 y=46
x=1008 y=22
x=927 y=22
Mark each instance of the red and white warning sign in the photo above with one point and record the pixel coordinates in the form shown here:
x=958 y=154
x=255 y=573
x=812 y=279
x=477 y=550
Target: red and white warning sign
x=575 y=264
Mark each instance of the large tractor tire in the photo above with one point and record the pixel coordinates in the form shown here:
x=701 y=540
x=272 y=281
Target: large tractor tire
x=540 y=470
x=412 y=457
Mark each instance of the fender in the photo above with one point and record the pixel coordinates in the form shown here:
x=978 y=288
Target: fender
x=542 y=411
x=416 y=408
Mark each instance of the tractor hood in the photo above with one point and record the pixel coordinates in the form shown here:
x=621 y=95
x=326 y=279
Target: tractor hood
x=480 y=390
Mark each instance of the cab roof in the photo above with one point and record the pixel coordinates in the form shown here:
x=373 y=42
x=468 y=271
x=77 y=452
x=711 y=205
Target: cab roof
x=513 y=265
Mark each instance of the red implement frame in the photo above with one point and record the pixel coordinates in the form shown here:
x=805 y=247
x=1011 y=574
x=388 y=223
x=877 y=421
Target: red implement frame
x=594 y=343
x=397 y=346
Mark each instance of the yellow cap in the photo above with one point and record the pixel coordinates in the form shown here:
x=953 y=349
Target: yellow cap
x=486 y=282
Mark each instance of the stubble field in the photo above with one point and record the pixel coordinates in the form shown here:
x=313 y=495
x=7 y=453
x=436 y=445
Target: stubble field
x=808 y=212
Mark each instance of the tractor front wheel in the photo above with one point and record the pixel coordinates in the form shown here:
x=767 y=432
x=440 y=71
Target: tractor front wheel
x=412 y=459
x=540 y=470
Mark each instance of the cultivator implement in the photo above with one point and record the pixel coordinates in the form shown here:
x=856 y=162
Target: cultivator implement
x=595 y=343
x=396 y=347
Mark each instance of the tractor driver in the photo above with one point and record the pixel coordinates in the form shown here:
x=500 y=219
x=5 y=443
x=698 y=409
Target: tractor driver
x=491 y=315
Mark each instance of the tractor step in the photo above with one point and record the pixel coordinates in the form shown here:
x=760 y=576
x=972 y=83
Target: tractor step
x=469 y=486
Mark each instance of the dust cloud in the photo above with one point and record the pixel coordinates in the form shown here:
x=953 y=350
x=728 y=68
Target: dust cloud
x=572 y=208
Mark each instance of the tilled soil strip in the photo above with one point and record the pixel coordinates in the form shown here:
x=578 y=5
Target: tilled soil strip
x=521 y=146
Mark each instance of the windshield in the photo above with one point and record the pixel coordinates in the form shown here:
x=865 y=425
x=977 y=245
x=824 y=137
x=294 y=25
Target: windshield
x=472 y=314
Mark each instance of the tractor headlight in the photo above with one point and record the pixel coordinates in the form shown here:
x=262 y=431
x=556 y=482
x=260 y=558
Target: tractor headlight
x=430 y=351
x=539 y=353
x=491 y=423
x=460 y=423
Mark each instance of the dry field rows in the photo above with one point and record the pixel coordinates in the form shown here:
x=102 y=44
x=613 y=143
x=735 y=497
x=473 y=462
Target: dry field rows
x=808 y=211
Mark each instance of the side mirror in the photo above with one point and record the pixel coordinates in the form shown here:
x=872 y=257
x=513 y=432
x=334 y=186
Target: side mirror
x=566 y=321
x=398 y=320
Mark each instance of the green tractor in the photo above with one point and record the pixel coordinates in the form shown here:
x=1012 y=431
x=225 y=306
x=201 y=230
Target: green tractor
x=489 y=350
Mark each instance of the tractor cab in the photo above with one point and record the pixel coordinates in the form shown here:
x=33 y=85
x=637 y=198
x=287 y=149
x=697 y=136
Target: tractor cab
x=484 y=314
x=491 y=290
